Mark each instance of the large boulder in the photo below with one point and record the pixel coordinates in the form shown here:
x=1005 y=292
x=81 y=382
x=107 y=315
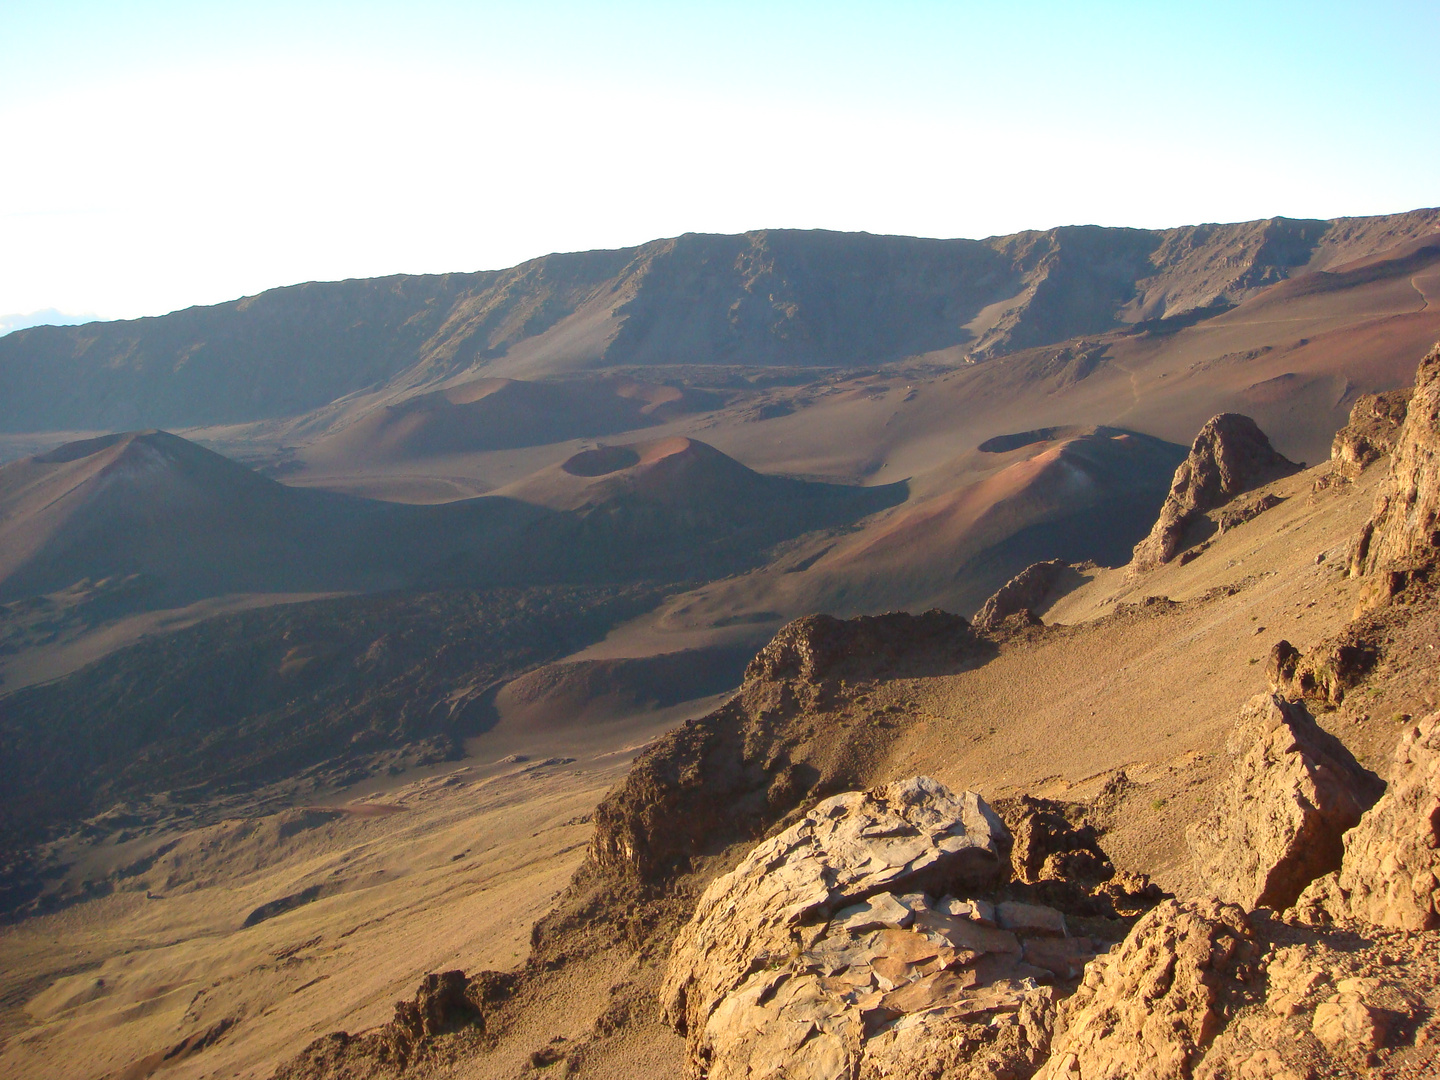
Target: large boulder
x=1390 y=875
x=1404 y=529
x=1280 y=817
x=855 y=941
x=1231 y=455
x=1148 y=1009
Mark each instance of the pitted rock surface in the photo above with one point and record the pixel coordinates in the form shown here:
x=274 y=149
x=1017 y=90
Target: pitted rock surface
x=1404 y=529
x=1278 y=823
x=1048 y=846
x=1148 y=1009
x=849 y=943
x=1230 y=455
x=1390 y=875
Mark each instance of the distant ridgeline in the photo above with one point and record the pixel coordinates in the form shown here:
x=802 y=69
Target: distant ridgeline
x=762 y=298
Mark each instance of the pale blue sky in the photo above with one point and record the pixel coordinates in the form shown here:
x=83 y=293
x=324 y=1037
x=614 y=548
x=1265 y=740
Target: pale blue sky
x=161 y=154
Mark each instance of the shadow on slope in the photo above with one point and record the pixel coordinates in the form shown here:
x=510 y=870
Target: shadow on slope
x=562 y=696
x=195 y=524
x=321 y=692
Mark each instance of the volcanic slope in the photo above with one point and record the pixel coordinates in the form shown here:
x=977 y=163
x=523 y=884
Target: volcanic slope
x=1123 y=716
x=1294 y=354
x=195 y=524
x=1295 y=358
x=770 y=297
x=950 y=429
x=306 y=695
x=1125 y=710
x=192 y=523
x=1085 y=495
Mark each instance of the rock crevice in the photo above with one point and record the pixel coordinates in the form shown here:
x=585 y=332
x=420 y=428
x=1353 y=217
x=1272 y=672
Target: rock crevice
x=1278 y=824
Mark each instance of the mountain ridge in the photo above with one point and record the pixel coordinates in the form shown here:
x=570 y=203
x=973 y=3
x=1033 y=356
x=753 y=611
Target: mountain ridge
x=768 y=297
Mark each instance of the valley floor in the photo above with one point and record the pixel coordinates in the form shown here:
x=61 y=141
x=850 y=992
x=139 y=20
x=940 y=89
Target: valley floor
x=446 y=871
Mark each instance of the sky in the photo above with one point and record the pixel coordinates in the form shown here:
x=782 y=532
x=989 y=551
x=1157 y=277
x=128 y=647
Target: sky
x=155 y=155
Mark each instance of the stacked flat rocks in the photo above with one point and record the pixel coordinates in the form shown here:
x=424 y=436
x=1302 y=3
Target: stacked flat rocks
x=855 y=941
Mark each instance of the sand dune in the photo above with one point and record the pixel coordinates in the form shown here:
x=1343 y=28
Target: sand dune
x=675 y=470
x=1077 y=497
x=192 y=524
x=150 y=503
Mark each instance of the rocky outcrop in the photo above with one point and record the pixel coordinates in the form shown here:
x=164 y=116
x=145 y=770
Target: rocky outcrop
x=1026 y=591
x=857 y=940
x=1231 y=455
x=844 y=854
x=818 y=648
x=1404 y=530
x=733 y=773
x=1371 y=433
x=1238 y=514
x=1292 y=792
x=1148 y=1009
x=444 y=1003
x=1201 y=991
x=1049 y=846
x=1328 y=670
x=1390 y=875
x=1330 y=1004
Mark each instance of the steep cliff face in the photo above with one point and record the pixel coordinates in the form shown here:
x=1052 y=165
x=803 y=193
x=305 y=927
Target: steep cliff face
x=1389 y=873
x=1292 y=793
x=1403 y=533
x=1370 y=434
x=782 y=297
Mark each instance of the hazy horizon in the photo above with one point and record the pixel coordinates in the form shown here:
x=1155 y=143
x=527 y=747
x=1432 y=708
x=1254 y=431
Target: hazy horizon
x=174 y=157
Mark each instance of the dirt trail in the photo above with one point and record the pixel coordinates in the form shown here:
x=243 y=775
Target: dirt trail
x=1433 y=279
